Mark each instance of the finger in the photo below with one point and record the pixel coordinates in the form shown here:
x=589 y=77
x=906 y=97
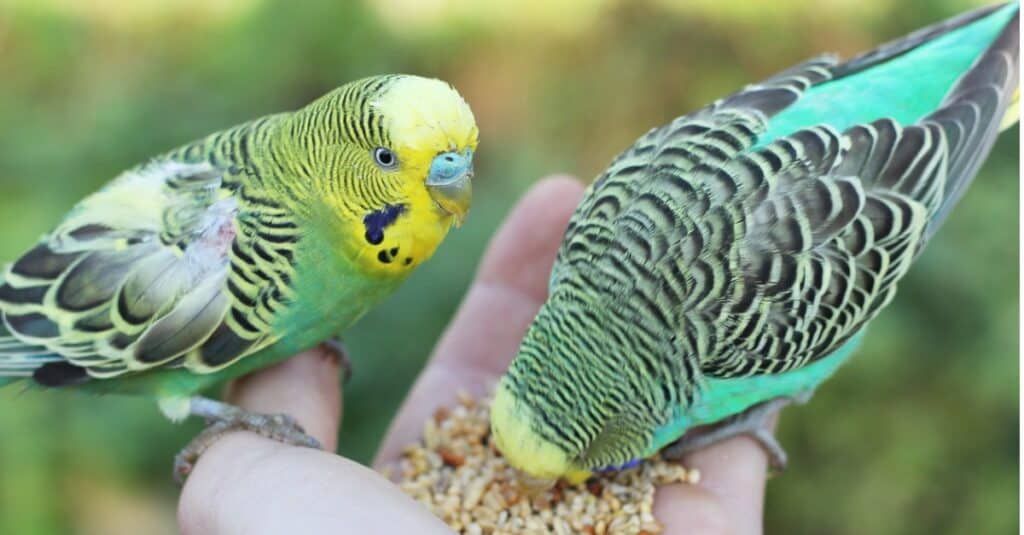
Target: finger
x=247 y=484
x=511 y=282
x=228 y=489
x=305 y=387
x=729 y=497
x=510 y=286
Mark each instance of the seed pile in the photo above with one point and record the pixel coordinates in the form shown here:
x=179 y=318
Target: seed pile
x=461 y=477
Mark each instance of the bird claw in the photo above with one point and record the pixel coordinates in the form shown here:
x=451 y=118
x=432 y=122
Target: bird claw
x=336 y=349
x=186 y=459
x=753 y=422
x=224 y=418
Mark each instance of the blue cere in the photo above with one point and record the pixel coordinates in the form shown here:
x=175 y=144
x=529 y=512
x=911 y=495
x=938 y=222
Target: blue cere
x=449 y=167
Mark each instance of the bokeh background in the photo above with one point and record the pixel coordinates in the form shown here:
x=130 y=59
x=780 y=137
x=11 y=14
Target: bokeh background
x=918 y=434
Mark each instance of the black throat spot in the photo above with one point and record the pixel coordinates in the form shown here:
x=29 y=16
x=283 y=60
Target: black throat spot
x=376 y=221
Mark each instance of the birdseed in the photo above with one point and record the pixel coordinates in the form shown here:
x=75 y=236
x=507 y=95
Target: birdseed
x=457 y=472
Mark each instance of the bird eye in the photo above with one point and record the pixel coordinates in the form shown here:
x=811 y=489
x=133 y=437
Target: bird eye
x=384 y=158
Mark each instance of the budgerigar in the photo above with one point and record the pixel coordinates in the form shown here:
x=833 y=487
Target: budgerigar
x=241 y=249
x=728 y=262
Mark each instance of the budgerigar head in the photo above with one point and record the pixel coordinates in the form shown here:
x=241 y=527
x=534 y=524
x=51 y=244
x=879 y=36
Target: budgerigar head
x=389 y=140
x=572 y=402
x=518 y=430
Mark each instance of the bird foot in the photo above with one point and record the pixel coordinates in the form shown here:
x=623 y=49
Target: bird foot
x=335 y=348
x=225 y=418
x=753 y=422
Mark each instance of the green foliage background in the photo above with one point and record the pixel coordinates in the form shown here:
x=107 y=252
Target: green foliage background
x=918 y=434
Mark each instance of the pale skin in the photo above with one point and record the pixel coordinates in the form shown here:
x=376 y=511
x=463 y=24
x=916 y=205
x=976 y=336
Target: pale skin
x=249 y=484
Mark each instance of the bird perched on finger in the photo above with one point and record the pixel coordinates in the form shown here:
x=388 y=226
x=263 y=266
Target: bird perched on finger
x=241 y=249
x=728 y=263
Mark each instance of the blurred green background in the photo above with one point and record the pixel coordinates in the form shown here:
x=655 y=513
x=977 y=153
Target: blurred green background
x=918 y=434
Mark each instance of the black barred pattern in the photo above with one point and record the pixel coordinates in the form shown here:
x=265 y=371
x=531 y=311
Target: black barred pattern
x=204 y=290
x=696 y=254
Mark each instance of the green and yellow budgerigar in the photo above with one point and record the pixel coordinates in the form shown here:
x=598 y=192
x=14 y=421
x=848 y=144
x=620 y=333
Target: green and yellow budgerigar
x=728 y=262
x=242 y=248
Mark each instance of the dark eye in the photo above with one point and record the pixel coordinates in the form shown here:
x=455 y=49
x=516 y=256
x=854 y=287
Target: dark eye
x=384 y=158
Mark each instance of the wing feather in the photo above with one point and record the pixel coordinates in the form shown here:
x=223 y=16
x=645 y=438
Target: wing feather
x=763 y=256
x=134 y=277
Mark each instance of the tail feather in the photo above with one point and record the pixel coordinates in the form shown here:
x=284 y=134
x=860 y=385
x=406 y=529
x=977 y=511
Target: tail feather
x=891 y=50
x=975 y=111
x=4 y=381
x=19 y=360
x=1012 y=115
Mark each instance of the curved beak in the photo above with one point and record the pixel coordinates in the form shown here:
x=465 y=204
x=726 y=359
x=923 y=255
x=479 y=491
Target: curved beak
x=450 y=182
x=531 y=486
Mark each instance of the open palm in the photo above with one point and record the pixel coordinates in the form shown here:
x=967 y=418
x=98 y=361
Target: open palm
x=249 y=484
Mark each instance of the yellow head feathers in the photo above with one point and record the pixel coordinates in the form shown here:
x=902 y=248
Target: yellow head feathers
x=426 y=115
x=523 y=447
x=390 y=158
x=433 y=133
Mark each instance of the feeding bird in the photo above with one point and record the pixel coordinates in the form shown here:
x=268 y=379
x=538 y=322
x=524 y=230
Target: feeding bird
x=241 y=249
x=728 y=262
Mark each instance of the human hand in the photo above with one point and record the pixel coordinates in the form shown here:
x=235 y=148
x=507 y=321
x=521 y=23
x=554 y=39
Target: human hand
x=245 y=483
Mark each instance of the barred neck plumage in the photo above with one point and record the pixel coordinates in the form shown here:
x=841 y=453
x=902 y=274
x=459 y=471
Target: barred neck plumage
x=301 y=154
x=336 y=131
x=591 y=358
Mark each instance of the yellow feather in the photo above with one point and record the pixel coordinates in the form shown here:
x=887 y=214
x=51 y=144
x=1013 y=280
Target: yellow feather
x=525 y=449
x=423 y=117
